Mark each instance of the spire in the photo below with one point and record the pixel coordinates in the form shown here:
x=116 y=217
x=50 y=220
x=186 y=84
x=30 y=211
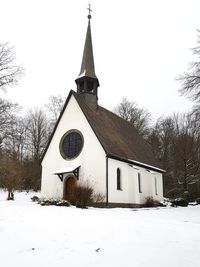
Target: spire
x=87 y=81
x=87 y=66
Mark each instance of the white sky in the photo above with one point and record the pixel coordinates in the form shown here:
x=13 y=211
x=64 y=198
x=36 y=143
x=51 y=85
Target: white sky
x=140 y=46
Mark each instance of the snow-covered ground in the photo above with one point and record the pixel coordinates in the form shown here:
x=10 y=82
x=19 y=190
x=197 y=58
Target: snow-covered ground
x=32 y=235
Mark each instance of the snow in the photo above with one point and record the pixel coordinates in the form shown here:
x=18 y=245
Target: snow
x=66 y=169
x=146 y=165
x=33 y=235
x=82 y=74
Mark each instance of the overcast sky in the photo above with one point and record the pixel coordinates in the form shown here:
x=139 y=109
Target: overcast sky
x=140 y=47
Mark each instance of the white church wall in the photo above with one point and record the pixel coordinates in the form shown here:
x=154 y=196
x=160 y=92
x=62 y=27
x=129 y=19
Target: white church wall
x=148 y=186
x=115 y=195
x=157 y=184
x=129 y=192
x=91 y=159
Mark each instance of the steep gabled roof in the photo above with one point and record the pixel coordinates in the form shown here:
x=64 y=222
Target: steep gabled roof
x=117 y=136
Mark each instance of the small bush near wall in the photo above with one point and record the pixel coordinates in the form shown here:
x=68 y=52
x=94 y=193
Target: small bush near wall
x=150 y=203
x=83 y=195
x=98 y=198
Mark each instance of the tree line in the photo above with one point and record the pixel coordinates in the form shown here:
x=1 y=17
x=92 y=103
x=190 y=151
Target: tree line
x=175 y=142
x=23 y=139
x=175 y=139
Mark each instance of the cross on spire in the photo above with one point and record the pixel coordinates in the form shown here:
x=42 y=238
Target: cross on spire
x=90 y=10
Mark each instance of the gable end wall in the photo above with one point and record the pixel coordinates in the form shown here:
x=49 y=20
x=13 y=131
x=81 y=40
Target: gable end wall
x=92 y=158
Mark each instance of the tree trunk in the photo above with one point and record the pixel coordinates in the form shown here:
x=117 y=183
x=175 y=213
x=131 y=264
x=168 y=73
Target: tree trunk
x=10 y=195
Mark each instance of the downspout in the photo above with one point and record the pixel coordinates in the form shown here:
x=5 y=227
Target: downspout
x=106 y=179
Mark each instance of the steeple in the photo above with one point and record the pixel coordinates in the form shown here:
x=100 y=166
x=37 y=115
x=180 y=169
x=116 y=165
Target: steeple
x=87 y=81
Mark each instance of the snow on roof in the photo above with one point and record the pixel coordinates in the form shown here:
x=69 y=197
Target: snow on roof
x=82 y=74
x=66 y=169
x=146 y=165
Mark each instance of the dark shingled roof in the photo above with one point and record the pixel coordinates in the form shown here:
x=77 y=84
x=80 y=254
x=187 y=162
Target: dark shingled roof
x=117 y=136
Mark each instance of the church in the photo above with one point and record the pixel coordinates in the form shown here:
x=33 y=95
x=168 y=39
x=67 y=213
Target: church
x=92 y=144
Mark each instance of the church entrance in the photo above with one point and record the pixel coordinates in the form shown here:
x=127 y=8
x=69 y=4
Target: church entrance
x=68 y=189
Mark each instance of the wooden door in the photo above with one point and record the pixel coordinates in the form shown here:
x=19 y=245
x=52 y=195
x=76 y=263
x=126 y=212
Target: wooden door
x=69 y=186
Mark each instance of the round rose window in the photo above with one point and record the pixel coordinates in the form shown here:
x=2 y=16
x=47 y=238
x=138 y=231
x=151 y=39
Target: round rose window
x=71 y=144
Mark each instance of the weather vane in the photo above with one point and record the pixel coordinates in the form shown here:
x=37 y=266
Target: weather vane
x=90 y=10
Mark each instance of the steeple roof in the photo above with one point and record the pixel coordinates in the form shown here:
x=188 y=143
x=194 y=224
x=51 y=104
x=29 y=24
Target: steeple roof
x=87 y=66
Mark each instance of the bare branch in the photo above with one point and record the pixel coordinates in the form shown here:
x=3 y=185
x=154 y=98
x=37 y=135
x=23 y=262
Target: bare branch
x=190 y=80
x=10 y=73
x=139 y=117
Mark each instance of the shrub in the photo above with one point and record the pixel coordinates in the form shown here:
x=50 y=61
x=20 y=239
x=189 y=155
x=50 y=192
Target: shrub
x=53 y=202
x=150 y=203
x=47 y=202
x=83 y=193
x=179 y=202
x=63 y=203
x=198 y=200
x=98 y=198
x=35 y=199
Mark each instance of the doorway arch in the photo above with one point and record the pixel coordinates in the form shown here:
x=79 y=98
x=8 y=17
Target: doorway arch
x=69 y=185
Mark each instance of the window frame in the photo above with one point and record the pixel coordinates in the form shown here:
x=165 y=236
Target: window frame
x=139 y=183
x=119 y=180
x=156 y=185
x=62 y=152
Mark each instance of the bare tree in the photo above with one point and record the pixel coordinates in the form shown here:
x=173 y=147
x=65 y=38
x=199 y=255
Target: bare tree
x=7 y=118
x=186 y=147
x=139 y=117
x=176 y=143
x=23 y=140
x=190 y=80
x=38 y=132
x=55 y=106
x=10 y=72
x=9 y=174
x=195 y=113
x=34 y=136
x=160 y=139
x=16 y=139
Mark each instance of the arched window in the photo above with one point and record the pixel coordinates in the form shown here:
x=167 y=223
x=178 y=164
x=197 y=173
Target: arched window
x=139 y=183
x=119 y=186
